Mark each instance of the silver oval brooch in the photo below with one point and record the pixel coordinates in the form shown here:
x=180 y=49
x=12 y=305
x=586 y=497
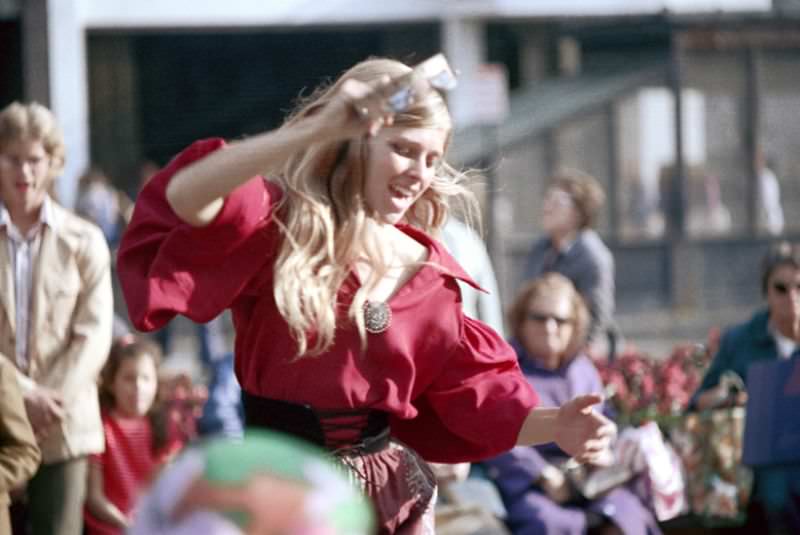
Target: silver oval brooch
x=377 y=316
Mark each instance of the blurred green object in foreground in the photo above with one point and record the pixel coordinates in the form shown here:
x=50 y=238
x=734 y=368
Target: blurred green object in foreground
x=234 y=461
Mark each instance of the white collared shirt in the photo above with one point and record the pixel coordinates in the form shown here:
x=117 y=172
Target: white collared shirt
x=23 y=252
x=786 y=346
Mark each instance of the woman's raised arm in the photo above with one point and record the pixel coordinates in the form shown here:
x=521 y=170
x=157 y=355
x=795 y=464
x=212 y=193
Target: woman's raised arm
x=196 y=192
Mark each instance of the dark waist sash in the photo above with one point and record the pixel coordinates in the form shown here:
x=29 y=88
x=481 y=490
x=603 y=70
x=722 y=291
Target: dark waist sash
x=341 y=431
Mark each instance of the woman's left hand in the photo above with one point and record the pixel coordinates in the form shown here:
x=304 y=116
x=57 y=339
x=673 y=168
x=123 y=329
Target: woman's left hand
x=582 y=432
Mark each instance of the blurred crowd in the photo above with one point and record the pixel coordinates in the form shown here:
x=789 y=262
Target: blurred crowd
x=104 y=439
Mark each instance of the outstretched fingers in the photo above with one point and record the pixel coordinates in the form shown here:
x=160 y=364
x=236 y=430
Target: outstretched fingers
x=583 y=432
x=596 y=451
x=586 y=402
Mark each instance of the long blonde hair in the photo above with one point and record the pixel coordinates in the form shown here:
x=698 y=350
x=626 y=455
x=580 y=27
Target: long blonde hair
x=324 y=217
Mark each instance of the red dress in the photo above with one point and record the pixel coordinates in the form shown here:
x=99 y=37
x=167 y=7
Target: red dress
x=128 y=465
x=451 y=385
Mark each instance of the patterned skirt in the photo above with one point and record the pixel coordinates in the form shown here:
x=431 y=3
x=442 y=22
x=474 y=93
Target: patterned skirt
x=399 y=482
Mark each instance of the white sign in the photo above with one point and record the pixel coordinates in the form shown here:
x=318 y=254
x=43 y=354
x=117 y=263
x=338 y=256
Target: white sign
x=487 y=94
x=481 y=97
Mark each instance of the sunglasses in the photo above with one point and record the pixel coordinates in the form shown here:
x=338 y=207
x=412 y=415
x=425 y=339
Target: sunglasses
x=784 y=288
x=544 y=318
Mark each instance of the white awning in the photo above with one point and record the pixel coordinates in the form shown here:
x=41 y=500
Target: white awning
x=248 y=13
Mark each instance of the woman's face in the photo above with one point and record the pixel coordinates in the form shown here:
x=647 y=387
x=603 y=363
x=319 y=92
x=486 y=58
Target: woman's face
x=783 y=298
x=135 y=386
x=547 y=329
x=24 y=175
x=401 y=167
x=559 y=212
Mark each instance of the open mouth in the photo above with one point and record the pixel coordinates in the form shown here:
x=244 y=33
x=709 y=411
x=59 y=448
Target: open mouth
x=401 y=192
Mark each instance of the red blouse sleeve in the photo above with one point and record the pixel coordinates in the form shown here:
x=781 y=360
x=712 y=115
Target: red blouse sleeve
x=475 y=408
x=167 y=267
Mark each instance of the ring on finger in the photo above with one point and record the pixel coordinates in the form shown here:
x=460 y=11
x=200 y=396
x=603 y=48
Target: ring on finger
x=362 y=112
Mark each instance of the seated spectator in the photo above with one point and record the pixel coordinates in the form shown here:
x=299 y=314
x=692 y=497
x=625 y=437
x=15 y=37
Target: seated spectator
x=549 y=322
x=771 y=333
x=573 y=248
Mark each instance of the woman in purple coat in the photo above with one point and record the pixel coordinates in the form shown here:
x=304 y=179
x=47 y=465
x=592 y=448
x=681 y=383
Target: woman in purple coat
x=549 y=322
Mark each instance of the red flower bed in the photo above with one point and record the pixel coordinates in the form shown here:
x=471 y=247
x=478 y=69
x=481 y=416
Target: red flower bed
x=184 y=402
x=642 y=388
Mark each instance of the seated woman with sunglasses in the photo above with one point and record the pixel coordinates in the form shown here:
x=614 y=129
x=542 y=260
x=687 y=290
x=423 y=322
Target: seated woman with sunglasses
x=349 y=328
x=772 y=333
x=549 y=322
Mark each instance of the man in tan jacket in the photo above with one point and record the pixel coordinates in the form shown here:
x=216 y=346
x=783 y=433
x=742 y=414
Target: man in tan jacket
x=55 y=314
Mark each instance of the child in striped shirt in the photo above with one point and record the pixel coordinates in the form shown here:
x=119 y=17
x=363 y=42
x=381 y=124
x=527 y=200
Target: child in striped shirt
x=139 y=438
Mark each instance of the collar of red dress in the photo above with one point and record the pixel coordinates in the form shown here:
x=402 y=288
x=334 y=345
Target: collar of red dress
x=438 y=256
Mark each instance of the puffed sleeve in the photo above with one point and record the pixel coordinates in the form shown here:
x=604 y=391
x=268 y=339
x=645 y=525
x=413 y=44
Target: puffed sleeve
x=475 y=407
x=167 y=267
